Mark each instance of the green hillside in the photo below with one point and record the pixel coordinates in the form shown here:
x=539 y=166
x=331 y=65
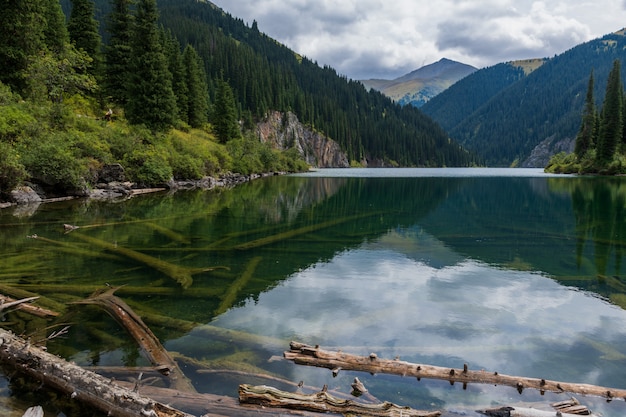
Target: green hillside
x=265 y=75
x=503 y=114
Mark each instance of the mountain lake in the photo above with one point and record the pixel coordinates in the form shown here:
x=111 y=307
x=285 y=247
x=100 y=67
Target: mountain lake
x=506 y=270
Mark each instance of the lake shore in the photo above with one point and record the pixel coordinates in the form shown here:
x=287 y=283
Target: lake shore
x=116 y=190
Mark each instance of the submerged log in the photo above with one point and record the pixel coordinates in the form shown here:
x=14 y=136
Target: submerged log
x=142 y=334
x=231 y=294
x=82 y=289
x=303 y=354
x=180 y=274
x=298 y=232
x=323 y=402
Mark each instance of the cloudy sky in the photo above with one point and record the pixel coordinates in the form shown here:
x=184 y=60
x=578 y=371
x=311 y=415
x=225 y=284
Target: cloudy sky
x=386 y=39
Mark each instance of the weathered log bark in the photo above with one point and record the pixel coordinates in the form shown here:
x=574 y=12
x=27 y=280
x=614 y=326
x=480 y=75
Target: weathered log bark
x=117 y=398
x=303 y=354
x=323 y=402
x=42 y=301
x=142 y=334
x=24 y=304
x=210 y=405
x=84 y=386
x=36 y=411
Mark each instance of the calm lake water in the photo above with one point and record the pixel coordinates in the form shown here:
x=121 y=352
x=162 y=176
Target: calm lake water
x=507 y=270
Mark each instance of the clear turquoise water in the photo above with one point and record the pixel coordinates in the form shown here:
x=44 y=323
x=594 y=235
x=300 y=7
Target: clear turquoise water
x=507 y=270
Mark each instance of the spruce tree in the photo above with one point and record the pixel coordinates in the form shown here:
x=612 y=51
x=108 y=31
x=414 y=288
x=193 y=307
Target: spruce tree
x=611 y=124
x=225 y=113
x=197 y=91
x=22 y=23
x=151 y=99
x=83 y=29
x=584 y=140
x=55 y=33
x=171 y=48
x=119 y=51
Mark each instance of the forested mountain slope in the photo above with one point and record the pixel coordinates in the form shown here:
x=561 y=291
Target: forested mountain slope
x=266 y=76
x=503 y=115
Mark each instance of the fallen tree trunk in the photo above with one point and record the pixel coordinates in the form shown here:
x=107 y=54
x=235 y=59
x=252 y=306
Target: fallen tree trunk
x=84 y=386
x=322 y=402
x=142 y=334
x=24 y=304
x=118 y=398
x=210 y=405
x=303 y=354
x=178 y=273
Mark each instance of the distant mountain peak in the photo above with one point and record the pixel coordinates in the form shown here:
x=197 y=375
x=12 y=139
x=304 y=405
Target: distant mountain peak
x=422 y=84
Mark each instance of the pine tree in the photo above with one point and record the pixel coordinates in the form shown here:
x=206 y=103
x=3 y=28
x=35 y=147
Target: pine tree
x=585 y=138
x=225 y=113
x=83 y=30
x=55 y=33
x=611 y=124
x=171 y=48
x=119 y=51
x=21 y=36
x=151 y=99
x=197 y=91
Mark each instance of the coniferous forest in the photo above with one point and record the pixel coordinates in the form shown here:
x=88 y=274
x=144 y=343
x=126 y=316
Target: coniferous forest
x=601 y=140
x=173 y=90
x=503 y=114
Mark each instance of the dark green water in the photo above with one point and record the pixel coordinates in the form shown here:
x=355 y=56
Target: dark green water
x=506 y=270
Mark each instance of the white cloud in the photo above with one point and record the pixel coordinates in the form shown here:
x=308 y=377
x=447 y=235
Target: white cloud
x=382 y=39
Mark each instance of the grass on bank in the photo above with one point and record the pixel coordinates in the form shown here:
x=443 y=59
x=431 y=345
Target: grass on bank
x=62 y=147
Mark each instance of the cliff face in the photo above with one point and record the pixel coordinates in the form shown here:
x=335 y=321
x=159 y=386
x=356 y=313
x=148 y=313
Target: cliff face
x=541 y=154
x=284 y=131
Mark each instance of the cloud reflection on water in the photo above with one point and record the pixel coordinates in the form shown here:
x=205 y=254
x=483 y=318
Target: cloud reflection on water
x=407 y=295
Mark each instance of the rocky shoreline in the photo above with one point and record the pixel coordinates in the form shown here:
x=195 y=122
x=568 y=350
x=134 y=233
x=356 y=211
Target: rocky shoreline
x=32 y=195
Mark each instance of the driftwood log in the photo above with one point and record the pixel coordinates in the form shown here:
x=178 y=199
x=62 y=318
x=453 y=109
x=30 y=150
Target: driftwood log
x=303 y=354
x=323 y=402
x=24 y=304
x=72 y=380
x=211 y=405
x=117 y=398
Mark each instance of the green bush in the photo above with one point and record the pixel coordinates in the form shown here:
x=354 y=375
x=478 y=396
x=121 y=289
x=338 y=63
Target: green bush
x=563 y=163
x=198 y=146
x=7 y=96
x=244 y=152
x=13 y=122
x=186 y=167
x=52 y=162
x=292 y=161
x=148 y=166
x=12 y=172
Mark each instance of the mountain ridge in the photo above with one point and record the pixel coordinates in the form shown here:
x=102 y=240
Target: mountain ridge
x=526 y=116
x=418 y=86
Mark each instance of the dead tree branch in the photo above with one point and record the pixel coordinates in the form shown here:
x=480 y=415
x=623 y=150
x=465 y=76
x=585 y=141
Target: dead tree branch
x=303 y=354
x=323 y=402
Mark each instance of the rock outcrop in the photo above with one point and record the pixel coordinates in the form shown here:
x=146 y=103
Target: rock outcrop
x=284 y=131
x=542 y=153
